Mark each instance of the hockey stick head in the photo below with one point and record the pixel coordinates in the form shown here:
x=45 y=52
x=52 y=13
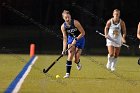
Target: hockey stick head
x=44 y=71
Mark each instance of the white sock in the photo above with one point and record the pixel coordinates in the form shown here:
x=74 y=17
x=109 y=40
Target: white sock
x=113 y=65
x=109 y=62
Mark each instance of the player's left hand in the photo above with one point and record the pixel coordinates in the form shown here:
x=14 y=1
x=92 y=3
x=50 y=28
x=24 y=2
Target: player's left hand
x=74 y=42
x=123 y=40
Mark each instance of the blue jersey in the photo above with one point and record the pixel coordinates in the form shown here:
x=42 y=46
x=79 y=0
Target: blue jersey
x=72 y=32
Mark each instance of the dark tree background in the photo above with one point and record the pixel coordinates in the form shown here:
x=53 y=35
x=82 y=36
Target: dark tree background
x=18 y=32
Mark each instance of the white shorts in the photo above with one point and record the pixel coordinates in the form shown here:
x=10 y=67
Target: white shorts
x=111 y=43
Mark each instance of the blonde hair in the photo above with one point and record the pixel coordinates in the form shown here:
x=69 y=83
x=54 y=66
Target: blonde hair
x=116 y=10
x=65 y=12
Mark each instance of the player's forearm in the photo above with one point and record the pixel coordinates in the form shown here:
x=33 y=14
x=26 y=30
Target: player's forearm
x=138 y=31
x=123 y=29
x=138 y=35
x=80 y=36
x=124 y=34
x=106 y=31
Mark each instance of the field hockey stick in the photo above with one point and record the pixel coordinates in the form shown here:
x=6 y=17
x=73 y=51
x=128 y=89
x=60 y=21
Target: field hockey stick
x=46 y=70
x=112 y=39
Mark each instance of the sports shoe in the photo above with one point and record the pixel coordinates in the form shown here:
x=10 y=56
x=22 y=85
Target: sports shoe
x=108 y=66
x=67 y=75
x=112 y=69
x=79 y=66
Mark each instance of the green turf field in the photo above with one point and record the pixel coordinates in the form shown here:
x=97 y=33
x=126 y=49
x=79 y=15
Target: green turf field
x=93 y=77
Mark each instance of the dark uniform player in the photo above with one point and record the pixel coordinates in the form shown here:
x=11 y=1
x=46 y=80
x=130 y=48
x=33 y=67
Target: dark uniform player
x=73 y=35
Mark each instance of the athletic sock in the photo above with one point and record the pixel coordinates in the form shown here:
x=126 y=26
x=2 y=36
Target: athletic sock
x=109 y=62
x=68 y=66
x=113 y=65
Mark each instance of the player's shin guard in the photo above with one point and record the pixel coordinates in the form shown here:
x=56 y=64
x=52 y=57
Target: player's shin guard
x=113 y=65
x=109 y=62
x=68 y=66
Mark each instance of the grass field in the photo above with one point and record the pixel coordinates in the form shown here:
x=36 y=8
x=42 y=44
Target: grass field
x=93 y=78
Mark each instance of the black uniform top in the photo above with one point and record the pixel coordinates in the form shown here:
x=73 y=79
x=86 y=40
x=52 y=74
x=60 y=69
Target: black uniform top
x=72 y=30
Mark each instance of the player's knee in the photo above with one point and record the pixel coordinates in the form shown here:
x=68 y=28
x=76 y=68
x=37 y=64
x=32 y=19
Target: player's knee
x=70 y=51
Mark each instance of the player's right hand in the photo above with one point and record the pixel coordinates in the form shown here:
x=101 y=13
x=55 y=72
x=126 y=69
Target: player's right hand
x=106 y=36
x=74 y=42
x=63 y=52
